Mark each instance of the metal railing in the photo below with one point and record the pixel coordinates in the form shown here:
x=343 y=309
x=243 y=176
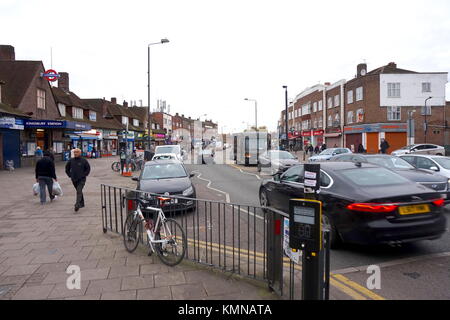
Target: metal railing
x=241 y=239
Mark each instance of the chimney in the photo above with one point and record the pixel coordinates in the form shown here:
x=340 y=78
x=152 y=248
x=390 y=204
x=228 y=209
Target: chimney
x=327 y=83
x=113 y=100
x=63 y=81
x=125 y=104
x=7 y=53
x=361 y=70
x=392 y=65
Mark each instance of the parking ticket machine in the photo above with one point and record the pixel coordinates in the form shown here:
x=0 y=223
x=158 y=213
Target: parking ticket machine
x=305 y=231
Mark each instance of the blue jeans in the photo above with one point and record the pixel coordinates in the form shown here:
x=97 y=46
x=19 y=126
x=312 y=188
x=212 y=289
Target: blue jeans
x=45 y=181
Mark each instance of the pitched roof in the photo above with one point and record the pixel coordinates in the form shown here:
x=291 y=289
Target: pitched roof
x=68 y=98
x=6 y=108
x=390 y=68
x=95 y=104
x=17 y=76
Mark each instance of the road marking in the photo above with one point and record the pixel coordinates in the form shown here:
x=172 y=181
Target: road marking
x=357 y=287
x=245 y=172
x=338 y=281
x=227 y=196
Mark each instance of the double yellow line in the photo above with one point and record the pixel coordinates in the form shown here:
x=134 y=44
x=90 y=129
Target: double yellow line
x=340 y=282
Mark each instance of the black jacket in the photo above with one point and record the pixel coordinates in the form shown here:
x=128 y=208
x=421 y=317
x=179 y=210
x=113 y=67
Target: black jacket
x=45 y=167
x=77 y=168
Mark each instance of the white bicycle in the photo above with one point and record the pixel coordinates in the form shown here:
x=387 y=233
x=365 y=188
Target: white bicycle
x=165 y=237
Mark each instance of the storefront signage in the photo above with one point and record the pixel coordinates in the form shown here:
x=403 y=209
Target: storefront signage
x=318 y=133
x=11 y=123
x=306 y=133
x=377 y=127
x=109 y=134
x=56 y=124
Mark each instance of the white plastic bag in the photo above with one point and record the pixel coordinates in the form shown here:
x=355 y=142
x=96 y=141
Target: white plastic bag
x=57 y=191
x=36 y=189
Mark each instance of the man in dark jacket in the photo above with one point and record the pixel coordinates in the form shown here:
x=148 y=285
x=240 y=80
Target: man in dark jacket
x=45 y=173
x=77 y=169
x=384 y=146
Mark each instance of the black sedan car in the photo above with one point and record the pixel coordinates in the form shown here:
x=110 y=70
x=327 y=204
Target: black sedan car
x=427 y=178
x=170 y=178
x=277 y=160
x=364 y=203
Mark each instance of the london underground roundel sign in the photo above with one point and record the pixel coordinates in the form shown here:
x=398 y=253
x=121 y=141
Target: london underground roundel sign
x=51 y=75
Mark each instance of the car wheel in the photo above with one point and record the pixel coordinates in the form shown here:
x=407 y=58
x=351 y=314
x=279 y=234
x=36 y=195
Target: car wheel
x=335 y=240
x=263 y=199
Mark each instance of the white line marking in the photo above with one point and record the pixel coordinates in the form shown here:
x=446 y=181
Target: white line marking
x=245 y=172
x=211 y=188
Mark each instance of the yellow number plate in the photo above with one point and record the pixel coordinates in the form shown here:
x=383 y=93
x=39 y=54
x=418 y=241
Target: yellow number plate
x=421 y=208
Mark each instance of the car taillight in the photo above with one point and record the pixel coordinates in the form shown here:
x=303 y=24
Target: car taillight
x=439 y=202
x=372 y=207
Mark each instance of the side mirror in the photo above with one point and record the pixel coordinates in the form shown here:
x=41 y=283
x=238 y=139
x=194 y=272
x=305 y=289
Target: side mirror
x=276 y=177
x=135 y=178
x=434 y=168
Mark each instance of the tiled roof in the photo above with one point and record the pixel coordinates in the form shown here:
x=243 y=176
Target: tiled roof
x=95 y=104
x=390 y=68
x=6 y=108
x=17 y=76
x=68 y=98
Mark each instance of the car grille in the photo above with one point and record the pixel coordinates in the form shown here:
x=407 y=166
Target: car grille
x=435 y=186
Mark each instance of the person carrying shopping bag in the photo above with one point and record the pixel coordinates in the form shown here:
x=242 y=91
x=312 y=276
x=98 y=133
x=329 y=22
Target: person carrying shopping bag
x=45 y=174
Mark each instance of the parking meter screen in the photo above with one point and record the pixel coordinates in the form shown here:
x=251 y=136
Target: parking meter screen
x=304 y=215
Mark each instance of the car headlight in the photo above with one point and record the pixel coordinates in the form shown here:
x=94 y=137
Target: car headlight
x=448 y=185
x=188 y=191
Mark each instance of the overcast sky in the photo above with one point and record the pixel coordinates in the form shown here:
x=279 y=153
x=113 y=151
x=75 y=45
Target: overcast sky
x=221 y=52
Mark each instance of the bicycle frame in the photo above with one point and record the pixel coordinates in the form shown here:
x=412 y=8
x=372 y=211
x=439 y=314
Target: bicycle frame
x=159 y=220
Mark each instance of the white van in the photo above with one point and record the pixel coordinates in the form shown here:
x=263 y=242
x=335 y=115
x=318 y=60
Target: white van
x=171 y=148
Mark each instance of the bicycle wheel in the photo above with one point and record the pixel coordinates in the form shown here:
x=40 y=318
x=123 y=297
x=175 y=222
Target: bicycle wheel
x=173 y=250
x=132 y=232
x=115 y=166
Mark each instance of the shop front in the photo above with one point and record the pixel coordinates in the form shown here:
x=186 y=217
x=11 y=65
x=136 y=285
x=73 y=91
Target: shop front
x=10 y=129
x=295 y=140
x=109 y=143
x=370 y=136
x=47 y=134
x=333 y=138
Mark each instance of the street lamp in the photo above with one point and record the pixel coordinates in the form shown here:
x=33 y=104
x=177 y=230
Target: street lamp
x=148 y=88
x=256 y=128
x=286 y=116
x=425 y=124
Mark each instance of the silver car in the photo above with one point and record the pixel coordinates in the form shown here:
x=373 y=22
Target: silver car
x=424 y=148
x=434 y=163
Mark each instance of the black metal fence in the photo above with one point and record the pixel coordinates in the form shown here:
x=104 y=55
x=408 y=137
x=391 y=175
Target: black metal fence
x=241 y=239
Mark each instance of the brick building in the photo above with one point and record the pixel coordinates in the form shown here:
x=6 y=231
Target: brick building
x=387 y=102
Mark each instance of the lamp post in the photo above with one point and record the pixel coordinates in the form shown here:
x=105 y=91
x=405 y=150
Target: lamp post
x=425 y=127
x=256 y=128
x=286 y=116
x=149 y=113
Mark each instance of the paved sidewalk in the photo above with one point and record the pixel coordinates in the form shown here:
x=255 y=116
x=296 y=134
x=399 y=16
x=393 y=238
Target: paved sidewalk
x=38 y=243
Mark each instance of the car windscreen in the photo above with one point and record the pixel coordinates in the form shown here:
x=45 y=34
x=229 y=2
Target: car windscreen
x=165 y=157
x=327 y=152
x=373 y=177
x=163 y=171
x=408 y=147
x=443 y=162
x=390 y=162
x=168 y=149
x=281 y=155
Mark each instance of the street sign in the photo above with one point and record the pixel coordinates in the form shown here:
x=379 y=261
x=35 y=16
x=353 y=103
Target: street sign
x=50 y=75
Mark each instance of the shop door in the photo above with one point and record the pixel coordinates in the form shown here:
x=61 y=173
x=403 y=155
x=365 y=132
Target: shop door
x=352 y=141
x=372 y=142
x=396 y=140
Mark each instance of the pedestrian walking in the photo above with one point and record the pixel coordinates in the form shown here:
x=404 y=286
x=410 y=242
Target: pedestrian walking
x=384 y=146
x=324 y=147
x=316 y=150
x=77 y=169
x=39 y=153
x=45 y=174
x=94 y=153
x=123 y=159
x=361 y=148
x=311 y=149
